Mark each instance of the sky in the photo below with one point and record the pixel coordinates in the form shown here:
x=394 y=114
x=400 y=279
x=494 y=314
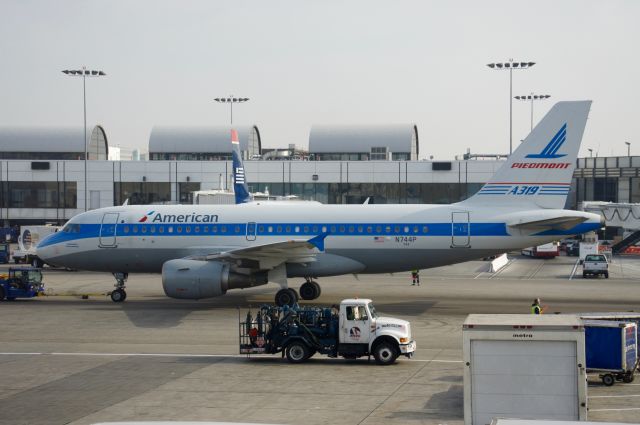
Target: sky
x=365 y=62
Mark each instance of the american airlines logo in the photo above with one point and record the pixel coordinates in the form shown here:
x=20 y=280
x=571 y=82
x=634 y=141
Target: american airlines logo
x=146 y=217
x=240 y=175
x=180 y=218
x=552 y=147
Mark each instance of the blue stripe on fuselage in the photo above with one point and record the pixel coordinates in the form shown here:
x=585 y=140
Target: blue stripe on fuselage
x=86 y=231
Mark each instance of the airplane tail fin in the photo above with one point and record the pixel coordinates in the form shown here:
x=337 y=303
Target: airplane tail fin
x=539 y=171
x=240 y=187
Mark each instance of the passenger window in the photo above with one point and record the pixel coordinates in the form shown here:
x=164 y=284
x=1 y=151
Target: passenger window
x=378 y=229
x=170 y=229
x=152 y=229
x=143 y=228
x=197 y=229
x=342 y=229
x=260 y=229
x=179 y=229
x=360 y=229
x=161 y=229
x=270 y=229
x=135 y=229
x=306 y=229
x=126 y=229
x=206 y=229
x=296 y=229
x=237 y=229
x=279 y=229
x=187 y=229
x=288 y=229
x=214 y=229
x=333 y=229
x=223 y=229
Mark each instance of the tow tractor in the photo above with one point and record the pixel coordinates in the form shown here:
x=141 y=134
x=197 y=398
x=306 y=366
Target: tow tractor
x=353 y=330
x=21 y=283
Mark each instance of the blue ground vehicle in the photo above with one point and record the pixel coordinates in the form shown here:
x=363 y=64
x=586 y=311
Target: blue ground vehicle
x=21 y=283
x=4 y=253
x=611 y=349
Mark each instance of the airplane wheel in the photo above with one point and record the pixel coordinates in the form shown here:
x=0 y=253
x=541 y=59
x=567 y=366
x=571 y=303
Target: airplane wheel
x=308 y=291
x=318 y=289
x=286 y=296
x=118 y=295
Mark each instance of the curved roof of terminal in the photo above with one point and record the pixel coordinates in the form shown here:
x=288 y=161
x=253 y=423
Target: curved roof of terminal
x=45 y=139
x=360 y=139
x=166 y=139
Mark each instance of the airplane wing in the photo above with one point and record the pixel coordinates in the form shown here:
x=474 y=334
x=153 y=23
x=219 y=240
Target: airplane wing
x=270 y=255
x=563 y=223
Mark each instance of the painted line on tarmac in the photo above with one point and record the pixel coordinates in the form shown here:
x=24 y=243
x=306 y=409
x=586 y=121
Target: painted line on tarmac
x=614 y=410
x=177 y=355
x=575 y=268
x=614 y=396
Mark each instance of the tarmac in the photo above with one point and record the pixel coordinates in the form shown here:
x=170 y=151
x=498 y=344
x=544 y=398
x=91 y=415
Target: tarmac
x=68 y=360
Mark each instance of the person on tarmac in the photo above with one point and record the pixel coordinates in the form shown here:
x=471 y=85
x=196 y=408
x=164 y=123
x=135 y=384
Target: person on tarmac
x=415 y=277
x=536 y=307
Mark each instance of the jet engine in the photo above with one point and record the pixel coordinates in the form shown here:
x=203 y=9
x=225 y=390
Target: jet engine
x=195 y=279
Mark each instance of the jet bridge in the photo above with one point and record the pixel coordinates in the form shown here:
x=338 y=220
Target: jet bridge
x=622 y=215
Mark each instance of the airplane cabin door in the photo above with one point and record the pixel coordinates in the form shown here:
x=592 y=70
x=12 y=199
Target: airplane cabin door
x=460 y=230
x=108 y=230
x=251 y=231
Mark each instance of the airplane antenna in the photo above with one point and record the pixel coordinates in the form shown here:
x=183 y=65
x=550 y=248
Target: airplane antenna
x=366 y=201
x=126 y=202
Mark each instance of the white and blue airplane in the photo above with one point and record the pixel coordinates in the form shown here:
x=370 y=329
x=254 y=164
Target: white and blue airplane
x=204 y=250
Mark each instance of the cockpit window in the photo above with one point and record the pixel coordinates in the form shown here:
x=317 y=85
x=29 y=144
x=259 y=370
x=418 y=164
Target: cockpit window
x=71 y=228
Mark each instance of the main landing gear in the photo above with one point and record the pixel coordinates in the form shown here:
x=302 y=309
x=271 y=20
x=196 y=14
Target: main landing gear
x=310 y=290
x=119 y=294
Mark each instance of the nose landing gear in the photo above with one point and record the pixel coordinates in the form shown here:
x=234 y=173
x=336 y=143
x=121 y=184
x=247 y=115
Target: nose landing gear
x=119 y=294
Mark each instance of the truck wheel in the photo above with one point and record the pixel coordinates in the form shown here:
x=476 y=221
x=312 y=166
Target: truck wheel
x=606 y=275
x=286 y=297
x=608 y=379
x=297 y=352
x=385 y=353
x=628 y=377
x=584 y=275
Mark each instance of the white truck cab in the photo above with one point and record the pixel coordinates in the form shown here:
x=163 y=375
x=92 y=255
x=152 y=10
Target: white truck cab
x=364 y=332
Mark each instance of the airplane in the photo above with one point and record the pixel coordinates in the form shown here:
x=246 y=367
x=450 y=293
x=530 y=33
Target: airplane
x=203 y=251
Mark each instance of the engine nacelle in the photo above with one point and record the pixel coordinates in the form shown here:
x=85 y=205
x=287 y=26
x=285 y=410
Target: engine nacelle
x=195 y=279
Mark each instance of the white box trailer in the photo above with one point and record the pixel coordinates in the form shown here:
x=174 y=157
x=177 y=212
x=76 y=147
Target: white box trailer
x=524 y=366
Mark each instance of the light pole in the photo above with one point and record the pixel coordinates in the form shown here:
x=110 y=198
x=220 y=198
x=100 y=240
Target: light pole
x=231 y=100
x=590 y=153
x=531 y=98
x=511 y=65
x=628 y=148
x=84 y=73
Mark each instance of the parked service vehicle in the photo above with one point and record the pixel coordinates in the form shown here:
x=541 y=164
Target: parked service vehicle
x=548 y=250
x=513 y=362
x=27 y=242
x=612 y=350
x=595 y=265
x=21 y=283
x=353 y=331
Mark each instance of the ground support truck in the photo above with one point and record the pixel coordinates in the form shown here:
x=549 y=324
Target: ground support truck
x=352 y=330
x=21 y=283
x=611 y=349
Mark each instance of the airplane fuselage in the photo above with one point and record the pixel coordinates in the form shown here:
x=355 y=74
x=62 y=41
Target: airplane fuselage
x=360 y=238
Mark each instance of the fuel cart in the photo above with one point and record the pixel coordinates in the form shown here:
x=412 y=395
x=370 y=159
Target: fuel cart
x=612 y=350
x=351 y=330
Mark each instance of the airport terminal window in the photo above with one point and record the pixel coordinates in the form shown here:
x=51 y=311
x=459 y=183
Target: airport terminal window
x=142 y=193
x=39 y=194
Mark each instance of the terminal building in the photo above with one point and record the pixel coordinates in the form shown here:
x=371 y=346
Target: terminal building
x=42 y=172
